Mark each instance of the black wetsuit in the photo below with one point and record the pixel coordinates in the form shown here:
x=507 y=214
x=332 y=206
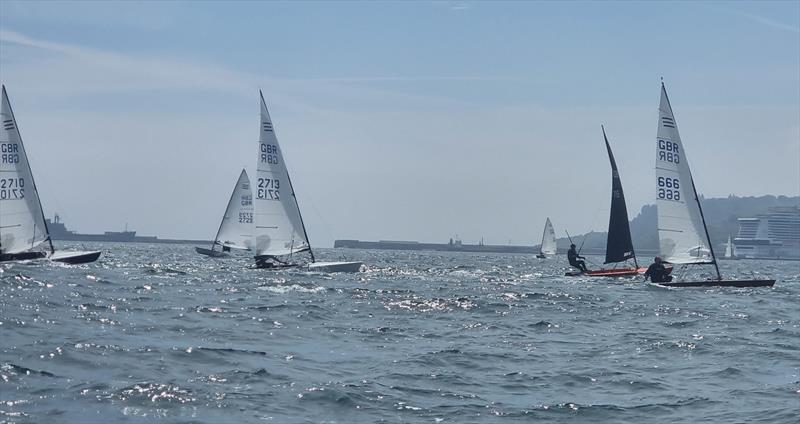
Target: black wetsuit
x=573 y=257
x=657 y=273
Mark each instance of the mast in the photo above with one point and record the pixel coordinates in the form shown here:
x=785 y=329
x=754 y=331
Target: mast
x=705 y=227
x=302 y=223
x=35 y=190
x=697 y=199
x=297 y=205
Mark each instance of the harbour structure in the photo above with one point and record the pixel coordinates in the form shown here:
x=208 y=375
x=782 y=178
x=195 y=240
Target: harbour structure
x=774 y=235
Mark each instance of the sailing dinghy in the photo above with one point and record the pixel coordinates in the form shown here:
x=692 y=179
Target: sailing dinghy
x=619 y=246
x=22 y=225
x=279 y=231
x=236 y=229
x=682 y=231
x=728 y=249
x=548 y=247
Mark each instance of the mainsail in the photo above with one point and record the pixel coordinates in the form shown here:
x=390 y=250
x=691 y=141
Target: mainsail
x=619 y=246
x=681 y=231
x=236 y=229
x=279 y=228
x=729 y=248
x=548 y=239
x=22 y=225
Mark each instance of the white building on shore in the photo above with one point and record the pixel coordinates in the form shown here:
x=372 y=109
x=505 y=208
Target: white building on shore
x=775 y=235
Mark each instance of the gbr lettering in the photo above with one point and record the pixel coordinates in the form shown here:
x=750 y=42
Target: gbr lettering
x=669 y=151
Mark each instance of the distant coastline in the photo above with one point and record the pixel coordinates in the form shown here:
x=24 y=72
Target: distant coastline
x=456 y=247
x=722 y=215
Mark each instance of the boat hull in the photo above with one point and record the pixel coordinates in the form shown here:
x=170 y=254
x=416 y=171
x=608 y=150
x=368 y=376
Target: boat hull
x=75 y=258
x=269 y=262
x=615 y=272
x=275 y=267
x=336 y=266
x=209 y=252
x=541 y=256
x=720 y=283
x=22 y=256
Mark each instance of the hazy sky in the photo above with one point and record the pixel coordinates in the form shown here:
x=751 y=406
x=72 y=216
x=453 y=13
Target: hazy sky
x=412 y=120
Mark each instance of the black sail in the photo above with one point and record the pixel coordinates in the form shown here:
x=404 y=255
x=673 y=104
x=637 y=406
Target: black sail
x=619 y=246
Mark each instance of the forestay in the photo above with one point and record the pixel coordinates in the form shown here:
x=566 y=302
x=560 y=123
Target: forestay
x=682 y=237
x=236 y=229
x=548 y=239
x=619 y=246
x=278 y=225
x=22 y=225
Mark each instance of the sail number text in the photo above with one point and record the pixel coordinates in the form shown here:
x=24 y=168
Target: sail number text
x=268 y=189
x=269 y=154
x=669 y=151
x=245 y=217
x=12 y=188
x=9 y=153
x=669 y=188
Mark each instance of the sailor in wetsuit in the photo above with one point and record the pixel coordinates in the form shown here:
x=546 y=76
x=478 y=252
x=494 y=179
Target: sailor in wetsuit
x=657 y=273
x=572 y=256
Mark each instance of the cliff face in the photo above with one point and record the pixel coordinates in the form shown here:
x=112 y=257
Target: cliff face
x=721 y=217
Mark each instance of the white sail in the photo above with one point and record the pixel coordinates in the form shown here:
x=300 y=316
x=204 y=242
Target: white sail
x=681 y=233
x=729 y=248
x=278 y=226
x=22 y=225
x=236 y=229
x=548 y=239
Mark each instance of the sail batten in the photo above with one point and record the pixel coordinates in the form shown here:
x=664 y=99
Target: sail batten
x=619 y=246
x=683 y=238
x=279 y=228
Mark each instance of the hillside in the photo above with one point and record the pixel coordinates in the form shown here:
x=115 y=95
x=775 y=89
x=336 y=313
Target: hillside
x=721 y=217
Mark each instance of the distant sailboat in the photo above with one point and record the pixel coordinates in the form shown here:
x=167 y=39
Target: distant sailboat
x=279 y=231
x=236 y=229
x=22 y=224
x=619 y=246
x=548 y=247
x=728 y=249
x=682 y=232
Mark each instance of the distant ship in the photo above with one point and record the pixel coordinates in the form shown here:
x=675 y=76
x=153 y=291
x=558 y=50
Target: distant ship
x=774 y=235
x=59 y=231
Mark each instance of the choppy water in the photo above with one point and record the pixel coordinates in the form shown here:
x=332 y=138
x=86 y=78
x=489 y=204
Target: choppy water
x=157 y=333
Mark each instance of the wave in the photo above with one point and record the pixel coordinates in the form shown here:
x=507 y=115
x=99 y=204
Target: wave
x=431 y=305
x=9 y=370
x=150 y=393
x=300 y=288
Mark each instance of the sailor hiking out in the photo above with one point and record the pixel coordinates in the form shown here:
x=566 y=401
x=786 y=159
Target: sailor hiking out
x=573 y=257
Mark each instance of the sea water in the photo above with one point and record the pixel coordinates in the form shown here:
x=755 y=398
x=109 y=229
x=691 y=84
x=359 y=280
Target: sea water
x=157 y=333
